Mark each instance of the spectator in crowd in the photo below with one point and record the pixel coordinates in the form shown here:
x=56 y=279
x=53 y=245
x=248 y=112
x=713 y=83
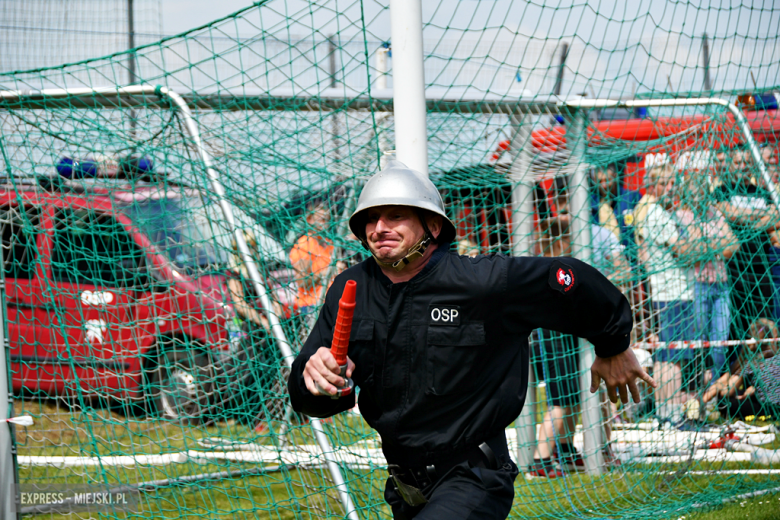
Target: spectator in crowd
x=612 y=207
x=240 y=286
x=311 y=256
x=753 y=386
x=748 y=208
x=721 y=164
x=714 y=243
x=769 y=156
x=250 y=371
x=665 y=254
x=556 y=356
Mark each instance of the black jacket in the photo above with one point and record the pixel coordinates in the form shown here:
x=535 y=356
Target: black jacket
x=442 y=360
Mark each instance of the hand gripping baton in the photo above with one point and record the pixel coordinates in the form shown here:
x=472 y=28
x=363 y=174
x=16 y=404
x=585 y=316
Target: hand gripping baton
x=341 y=332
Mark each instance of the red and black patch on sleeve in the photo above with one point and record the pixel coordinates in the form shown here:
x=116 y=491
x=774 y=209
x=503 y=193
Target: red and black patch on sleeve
x=562 y=278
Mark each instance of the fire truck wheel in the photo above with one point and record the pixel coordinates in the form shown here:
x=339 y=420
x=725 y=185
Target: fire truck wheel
x=181 y=383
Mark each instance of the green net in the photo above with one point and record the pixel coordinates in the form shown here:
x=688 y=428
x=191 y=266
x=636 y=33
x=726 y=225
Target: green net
x=152 y=360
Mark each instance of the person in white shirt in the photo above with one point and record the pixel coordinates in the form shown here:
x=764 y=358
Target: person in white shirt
x=664 y=253
x=716 y=244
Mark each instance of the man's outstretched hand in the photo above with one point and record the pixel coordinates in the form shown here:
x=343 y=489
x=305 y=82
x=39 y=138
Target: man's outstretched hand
x=620 y=373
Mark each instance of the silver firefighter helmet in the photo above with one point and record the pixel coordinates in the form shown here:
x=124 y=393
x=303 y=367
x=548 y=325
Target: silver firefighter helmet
x=399 y=185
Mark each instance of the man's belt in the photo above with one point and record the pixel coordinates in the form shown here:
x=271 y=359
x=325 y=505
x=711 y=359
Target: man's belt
x=410 y=482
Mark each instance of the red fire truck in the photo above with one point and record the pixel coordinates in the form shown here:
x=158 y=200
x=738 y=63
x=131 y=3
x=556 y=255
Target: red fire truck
x=688 y=140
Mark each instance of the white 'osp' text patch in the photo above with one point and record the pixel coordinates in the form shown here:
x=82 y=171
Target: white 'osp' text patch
x=440 y=314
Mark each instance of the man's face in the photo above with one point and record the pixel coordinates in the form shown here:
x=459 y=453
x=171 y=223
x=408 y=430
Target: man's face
x=318 y=219
x=607 y=181
x=763 y=330
x=391 y=231
x=769 y=156
x=741 y=167
x=774 y=173
x=562 y=203
x=721 y=161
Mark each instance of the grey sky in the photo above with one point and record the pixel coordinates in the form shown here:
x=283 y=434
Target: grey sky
x=588 y=19
x=181 y=15
x=645 y=44
x=617 y=47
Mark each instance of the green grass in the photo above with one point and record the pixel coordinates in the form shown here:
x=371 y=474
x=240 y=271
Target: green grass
x=299 y=494
x=285 y=494
x=282 y=496
x=98 y=431
x=765 y=507
x=637 y=491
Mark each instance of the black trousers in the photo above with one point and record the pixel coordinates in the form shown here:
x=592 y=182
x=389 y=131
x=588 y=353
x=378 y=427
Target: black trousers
x=462 y=493
x=750 y=291
x=734 y=408
x=556 y=361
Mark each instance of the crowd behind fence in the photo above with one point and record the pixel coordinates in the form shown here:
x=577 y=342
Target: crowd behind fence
x=691 y=254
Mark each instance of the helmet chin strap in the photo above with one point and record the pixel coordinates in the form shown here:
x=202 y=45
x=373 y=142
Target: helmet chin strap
x=415 y=252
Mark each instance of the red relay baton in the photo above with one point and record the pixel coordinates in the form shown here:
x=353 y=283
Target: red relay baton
x=341 y=332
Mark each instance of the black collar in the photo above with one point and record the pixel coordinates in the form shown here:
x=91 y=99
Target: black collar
x=436 y=256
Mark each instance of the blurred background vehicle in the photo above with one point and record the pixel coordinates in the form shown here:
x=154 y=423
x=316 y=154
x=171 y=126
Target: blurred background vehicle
x=117 y=288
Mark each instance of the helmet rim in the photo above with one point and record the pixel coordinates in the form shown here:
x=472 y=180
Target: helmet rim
x=398 y=185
